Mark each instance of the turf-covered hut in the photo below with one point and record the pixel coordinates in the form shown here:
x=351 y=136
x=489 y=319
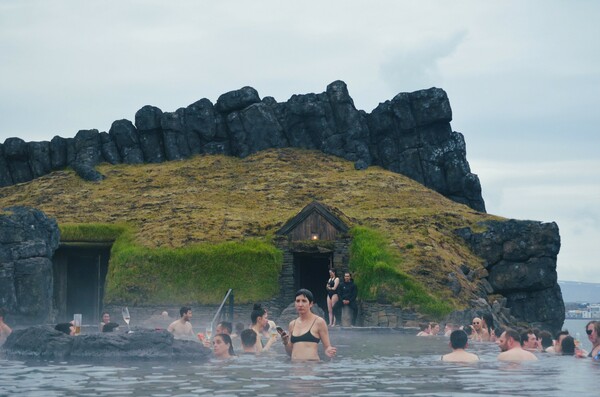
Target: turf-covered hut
x=313 y=241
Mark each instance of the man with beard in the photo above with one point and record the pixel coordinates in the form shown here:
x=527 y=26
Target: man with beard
x=510 y=346
x=182 y=329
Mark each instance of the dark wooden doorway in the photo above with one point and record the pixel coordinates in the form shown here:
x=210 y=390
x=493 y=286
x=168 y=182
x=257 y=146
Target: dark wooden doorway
x=79 y=277
x=311 y=271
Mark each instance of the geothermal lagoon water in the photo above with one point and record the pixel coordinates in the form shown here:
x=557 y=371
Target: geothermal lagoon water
x=368 y=364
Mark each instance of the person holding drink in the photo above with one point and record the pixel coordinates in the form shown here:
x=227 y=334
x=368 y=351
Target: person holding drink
x=305 y=332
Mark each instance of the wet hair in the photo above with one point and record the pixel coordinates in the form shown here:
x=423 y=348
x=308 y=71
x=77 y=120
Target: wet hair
x=423 y=326
x=306 y=293
x=458 y=339
x=64 y=328
x=567 y=346
x=511 y=333
x=184 y=310
x=248 y=337
x=257 y=311
x=467 y=329
x=563 y=332
x=489 y=320
x=525 y=335
x=226 y=325
x=546 y=339
x=227 y=340
x=536 y=332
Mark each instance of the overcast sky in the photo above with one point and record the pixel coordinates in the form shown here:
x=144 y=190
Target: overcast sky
x=523 y=78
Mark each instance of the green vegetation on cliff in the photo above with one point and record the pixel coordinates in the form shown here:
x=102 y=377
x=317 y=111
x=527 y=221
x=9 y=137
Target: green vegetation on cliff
x=378 y=275
x=216 y=208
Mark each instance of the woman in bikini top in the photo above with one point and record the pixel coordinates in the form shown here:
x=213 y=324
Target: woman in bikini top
x=305 y=337
x=306 y=331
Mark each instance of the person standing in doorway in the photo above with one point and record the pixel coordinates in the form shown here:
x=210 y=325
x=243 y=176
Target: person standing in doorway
x=332 y=294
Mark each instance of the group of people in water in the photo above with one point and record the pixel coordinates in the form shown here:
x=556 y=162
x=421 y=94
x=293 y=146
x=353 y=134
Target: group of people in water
x=514 y=345
x=300 y=341
x=304 y=333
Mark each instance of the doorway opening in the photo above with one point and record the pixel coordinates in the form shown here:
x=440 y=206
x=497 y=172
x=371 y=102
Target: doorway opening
x=79 y=277
x=311 y=271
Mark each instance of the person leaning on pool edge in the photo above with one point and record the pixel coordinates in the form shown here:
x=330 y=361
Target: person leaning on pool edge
x=305 y=332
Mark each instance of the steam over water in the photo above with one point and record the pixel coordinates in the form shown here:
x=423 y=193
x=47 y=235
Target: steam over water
x=368 y=364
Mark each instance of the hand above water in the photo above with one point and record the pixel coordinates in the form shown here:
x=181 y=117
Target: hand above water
x=331 y=351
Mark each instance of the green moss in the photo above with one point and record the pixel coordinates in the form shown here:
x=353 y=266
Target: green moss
x=198 y=274
x=378 y=275
x=91 y=232
x=195 y=274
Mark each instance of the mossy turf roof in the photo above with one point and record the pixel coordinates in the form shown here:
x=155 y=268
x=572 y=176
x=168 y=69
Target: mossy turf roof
x=212 y=199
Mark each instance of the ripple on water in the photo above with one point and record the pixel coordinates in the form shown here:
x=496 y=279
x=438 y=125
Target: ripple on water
x=395 y=365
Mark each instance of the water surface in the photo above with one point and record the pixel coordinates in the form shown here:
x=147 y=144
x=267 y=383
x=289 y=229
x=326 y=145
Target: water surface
x=368 y=364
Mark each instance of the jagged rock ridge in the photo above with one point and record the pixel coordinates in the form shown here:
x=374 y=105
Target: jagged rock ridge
x=410 y=134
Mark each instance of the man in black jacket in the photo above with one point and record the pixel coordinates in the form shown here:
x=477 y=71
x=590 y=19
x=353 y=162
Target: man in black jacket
x=347 y=297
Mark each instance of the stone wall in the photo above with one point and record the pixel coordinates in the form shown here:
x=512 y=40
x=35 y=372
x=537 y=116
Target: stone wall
x=409 y=134
x=520 y=258
x=28 y=240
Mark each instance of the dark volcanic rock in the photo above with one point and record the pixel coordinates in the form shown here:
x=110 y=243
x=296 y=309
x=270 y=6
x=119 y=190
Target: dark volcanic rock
x=254 y=129
x=28 y=240
x=174 y=135
x=17 y=156
x=58 y=153
x=46 y=343
x=87 y=154
x=109 y=149
x=237 y=100
x=409 y=134
x=147 y=121
x=124 y=133
x=39 y=158
x=5 y=177
x=521 y=260
x=351 y=137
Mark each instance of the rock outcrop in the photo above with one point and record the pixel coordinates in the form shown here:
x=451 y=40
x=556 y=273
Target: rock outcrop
x=28 y=239
x=43 y=342
x=409 y=134
x=520 y=258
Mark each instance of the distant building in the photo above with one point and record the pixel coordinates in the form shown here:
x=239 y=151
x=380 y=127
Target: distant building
x=591 y=311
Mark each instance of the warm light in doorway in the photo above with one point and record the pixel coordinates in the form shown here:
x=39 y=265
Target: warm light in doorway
x=314 y=236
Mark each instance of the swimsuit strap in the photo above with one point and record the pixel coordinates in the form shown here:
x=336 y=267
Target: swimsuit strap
x=313 y=323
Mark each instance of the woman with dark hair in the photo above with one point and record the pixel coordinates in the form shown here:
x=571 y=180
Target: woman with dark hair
x=222 y=347
x=260 y=318
x=305 y=332
x=332 y=296
x=488 y=333
x=567 y=346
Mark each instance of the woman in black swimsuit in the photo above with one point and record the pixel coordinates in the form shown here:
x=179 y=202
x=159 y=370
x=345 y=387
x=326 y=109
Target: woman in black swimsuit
x=306 y=331
x=332 y=295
